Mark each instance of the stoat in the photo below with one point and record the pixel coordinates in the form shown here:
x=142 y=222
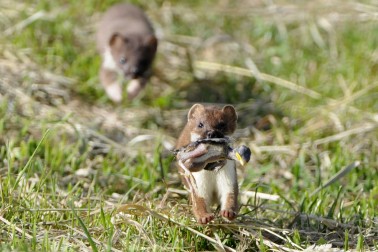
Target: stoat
x=214 y=185
x=127 y=44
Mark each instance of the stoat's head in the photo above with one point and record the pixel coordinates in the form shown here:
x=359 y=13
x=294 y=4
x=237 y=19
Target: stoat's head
x=133 y=54
x=211 y=122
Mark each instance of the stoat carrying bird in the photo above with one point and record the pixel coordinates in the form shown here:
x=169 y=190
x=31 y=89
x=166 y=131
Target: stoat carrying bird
x=206 y=161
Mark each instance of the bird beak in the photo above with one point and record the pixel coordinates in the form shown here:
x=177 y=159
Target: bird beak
x=240 y=159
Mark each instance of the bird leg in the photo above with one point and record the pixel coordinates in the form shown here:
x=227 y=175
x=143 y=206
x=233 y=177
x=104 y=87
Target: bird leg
x=191 y=181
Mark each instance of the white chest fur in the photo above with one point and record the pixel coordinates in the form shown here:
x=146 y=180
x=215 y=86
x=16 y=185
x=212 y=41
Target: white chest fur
x=194 y=137
x=214 y=186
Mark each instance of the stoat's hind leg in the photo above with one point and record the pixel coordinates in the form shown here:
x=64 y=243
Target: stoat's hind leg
x=228 y=190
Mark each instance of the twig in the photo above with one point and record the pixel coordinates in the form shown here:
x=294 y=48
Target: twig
x=253 y=72
x=139 y=227
x=220 y=244
x=282 y=238
x=284 y=149
x=260 y=195
x=19 y=230
x=291 y=149
x=262 y=76
x=352 y=97
x=21 y=25
x=251 y=232
x=326 y=221
x=178 y=191
x=362 y=129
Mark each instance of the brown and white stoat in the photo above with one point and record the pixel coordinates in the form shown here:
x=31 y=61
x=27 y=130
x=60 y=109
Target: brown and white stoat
x=214 y=185
x=127 y=44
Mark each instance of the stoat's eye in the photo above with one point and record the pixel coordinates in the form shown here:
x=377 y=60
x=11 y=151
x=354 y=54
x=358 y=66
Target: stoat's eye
x=122 y=61
x=200 y=125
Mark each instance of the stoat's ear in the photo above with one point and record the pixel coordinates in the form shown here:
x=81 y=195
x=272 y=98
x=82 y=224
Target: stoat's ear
x=152 y=43
x=195 y=109
x=230 y=112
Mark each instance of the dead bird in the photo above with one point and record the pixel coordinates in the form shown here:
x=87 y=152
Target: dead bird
x=211 y=153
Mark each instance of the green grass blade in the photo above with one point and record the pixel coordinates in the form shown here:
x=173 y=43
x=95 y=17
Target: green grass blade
x=333 y=207
x=346 y=240
x=337 y=176
x=21 y=173
x=89 y=237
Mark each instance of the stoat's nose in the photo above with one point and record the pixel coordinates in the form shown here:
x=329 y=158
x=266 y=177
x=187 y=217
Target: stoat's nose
x=214 y=134
x=136 y=72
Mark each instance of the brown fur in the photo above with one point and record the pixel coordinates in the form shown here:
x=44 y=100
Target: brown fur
x=200 y=211
x=231 y=207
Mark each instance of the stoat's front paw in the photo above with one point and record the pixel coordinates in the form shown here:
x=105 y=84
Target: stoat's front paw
x=114 y=92
x=228 y=214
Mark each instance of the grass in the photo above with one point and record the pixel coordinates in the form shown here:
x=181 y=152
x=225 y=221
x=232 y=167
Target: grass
x=78 y=172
